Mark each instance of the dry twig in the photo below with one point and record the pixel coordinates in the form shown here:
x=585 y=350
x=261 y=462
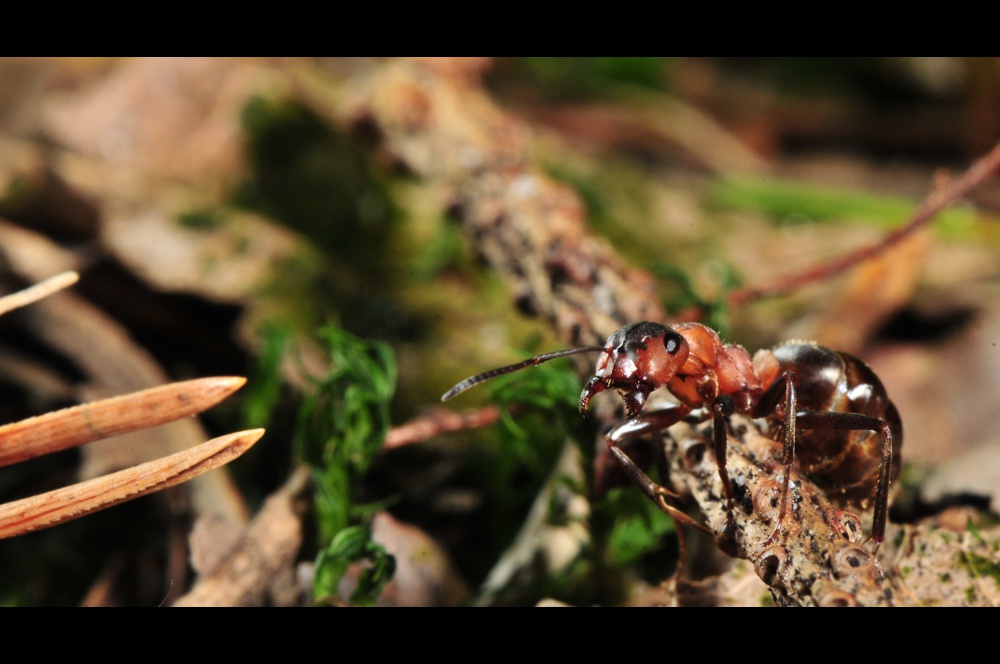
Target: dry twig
x=38 y=291
x=939 y=198
x=437 y=422
x=82 y=424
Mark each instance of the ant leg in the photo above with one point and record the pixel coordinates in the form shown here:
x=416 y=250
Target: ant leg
x=647 y=423
x=767 y=404
x=663 y=468
x=858 y=422
x=722 y=408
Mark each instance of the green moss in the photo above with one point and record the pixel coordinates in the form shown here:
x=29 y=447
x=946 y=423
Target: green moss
x=311 y=177
x=19 y=192
x=634 y=535
x=320 y=182
x=980 y=566
x=595 y=75
x=263 y=390
x=972 y=530
x=201 y=220
x=444 y=248
x=342 y=425
x=532 y=443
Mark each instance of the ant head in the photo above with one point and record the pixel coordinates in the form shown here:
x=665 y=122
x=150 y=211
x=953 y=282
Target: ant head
x=635 y=360
x=638 y=359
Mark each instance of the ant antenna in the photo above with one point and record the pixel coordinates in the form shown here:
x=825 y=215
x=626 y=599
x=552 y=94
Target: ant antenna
x=534 y=361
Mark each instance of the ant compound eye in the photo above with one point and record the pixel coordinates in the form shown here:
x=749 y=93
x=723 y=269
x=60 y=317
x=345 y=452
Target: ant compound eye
x=672 y=342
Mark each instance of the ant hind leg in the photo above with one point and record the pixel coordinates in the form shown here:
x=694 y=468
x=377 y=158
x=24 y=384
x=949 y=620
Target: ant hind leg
x=858 y=422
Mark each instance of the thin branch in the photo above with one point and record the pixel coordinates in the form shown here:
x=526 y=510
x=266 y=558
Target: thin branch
x=440 y=421
x=37 y=292
x=817 y=558
x=935 y=202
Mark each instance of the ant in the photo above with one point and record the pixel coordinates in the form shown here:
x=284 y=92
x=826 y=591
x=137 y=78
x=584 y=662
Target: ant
x=852 y=435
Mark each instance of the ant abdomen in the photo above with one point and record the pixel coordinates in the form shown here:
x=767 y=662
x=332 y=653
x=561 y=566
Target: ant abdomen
x=845 y=463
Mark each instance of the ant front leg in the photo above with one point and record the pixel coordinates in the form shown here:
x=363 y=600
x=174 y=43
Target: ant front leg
x=647 y=423
x=641 y=425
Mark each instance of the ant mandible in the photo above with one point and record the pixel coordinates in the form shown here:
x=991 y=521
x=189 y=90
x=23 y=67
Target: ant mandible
x=852 y=435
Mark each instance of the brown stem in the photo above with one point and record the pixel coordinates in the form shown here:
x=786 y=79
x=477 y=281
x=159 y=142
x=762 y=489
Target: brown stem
x=938 y=199
x=38 y=291
x=440 y=421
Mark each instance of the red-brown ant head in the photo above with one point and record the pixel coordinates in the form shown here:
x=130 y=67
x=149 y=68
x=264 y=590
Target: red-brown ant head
x=638 y=359
x=635 y=360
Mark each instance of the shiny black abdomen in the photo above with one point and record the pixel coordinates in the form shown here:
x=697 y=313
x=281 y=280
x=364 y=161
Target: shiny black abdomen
x=844 y=462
